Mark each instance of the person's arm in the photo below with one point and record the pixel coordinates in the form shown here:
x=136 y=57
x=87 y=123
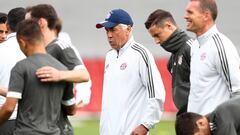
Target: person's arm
x=50 y=74
x=3 y=91
x=68 y=100
x=156 y=94
x=65 y=53
x=70 y=109
x=83 y=93
x=228 y=65
x=7 y=109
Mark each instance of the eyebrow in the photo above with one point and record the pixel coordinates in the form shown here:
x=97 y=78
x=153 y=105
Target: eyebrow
x=3 y=31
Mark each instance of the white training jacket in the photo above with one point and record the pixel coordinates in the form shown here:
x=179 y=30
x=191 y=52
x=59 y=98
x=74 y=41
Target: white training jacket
x=215 y=73
x=133 y=91
x=83 y=89
x=10 y=54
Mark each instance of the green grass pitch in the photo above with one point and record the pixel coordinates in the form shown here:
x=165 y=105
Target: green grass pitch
x=91 y=127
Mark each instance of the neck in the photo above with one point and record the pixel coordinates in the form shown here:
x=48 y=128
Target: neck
x=49 y=36
x=205 y=29
x=37 y=49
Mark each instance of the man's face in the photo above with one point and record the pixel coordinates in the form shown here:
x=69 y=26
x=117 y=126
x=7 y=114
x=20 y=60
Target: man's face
x=194 y=17
x=160 y=34
x=118 y=36
x=3 y=32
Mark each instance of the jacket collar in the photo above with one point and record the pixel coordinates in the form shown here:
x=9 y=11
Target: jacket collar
x=175 y=41
x=124 y=48
x=203 y=38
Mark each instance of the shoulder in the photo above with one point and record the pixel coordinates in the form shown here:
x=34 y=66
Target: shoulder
x=140 y=49
x=189 y=42
x=56 y=63
x=21 y=65
x=142 y=54
x=219 y=38
x=110 y=52
x=62 y=44
x=223 y=43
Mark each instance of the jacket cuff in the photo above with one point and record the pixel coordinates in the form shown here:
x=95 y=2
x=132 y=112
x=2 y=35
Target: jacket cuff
x=148 y=126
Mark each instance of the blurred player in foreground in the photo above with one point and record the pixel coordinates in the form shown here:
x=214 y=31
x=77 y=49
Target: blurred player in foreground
x=224 y=120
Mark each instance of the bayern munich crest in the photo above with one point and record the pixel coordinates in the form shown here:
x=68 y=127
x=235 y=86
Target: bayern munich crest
x=123 y=66
x=203 y=56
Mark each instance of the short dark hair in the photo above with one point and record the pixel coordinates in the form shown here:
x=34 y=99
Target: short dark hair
x=209 y=5
x=3 y=18
x=186 y=123
x=15 y=16
x=30 y=31
x=158 y=17
x=45 y=11
x=58 y=26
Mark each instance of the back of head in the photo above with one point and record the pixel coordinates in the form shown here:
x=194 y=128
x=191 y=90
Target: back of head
x=45 y=11
x=29 y=31
x=209 y=5
x=158 y=17
x=58 y=26
x=186 y=123
x=3 y=18
x=15 y=16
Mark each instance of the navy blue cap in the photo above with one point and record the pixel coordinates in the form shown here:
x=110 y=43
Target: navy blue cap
x=115 y=17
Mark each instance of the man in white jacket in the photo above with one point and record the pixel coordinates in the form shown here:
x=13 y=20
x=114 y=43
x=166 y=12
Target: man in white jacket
x=215 y=73
x=133 y=91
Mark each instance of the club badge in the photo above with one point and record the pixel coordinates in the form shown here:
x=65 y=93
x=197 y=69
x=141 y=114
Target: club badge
x=123 y=66
x=203 y=56
x=180 y=60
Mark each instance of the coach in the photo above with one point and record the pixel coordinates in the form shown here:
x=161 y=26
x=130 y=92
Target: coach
x=133 y=91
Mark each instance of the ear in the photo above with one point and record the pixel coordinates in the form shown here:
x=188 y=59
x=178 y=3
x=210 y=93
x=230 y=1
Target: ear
x=42 y=23
x=8 y=27
x=129 y=28
x=168 y=25
x=207 y=15
x=202 y=123
x=22 y=43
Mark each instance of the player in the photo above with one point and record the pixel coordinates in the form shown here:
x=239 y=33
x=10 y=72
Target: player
x=224 y=120
x=164 y=30
x=39 y=103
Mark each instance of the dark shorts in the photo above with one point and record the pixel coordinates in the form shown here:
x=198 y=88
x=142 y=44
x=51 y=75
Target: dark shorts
x=7 y=128
x=64 y=124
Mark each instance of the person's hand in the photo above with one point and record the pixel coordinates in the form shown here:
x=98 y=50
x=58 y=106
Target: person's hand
x=80 y=105
x=48 y=74
x=140 y=130
x=3 y=91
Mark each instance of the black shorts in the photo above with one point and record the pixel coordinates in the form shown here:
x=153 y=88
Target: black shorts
x=7 y=128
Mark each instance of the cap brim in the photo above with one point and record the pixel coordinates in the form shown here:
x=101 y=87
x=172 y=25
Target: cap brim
x=105 y=24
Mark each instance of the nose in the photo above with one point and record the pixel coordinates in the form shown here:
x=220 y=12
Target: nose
x=109 y=34
x=157 y=41
x=185 y=16
x=4 y=35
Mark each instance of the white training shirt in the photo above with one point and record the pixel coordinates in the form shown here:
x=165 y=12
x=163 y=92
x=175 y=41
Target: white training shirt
x=83 y=89
x=215 y=73
x=10 y=54
x=133 y=91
